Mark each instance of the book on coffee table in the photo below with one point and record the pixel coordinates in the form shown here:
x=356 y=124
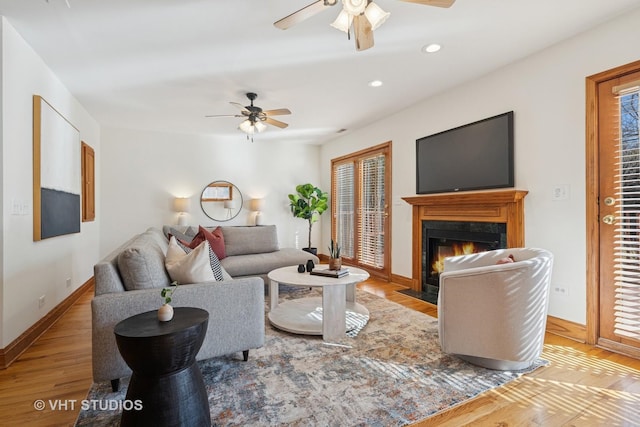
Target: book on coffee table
x=330 y=273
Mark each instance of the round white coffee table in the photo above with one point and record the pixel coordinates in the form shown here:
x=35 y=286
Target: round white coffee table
x=326 y=316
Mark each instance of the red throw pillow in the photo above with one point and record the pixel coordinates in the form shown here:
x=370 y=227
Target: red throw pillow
x=506 y=260
x=215 y=238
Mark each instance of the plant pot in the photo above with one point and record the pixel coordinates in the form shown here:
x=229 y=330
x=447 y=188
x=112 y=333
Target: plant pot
x=165 y=313
x=335 y=263
x=311 y=250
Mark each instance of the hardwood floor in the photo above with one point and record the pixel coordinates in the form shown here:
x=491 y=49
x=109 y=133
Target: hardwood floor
x=581 y=386
x=56 y=369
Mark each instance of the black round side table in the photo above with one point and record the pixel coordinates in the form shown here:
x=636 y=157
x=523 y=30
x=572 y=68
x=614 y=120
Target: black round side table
x=166 y=378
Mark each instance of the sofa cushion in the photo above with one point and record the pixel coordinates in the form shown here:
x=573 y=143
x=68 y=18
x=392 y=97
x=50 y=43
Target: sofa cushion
x=191 y=267
x=187 y=236
x=215 y=239
x=242 y=240
x=216 y=267
x=142 y=267
x=257 y=264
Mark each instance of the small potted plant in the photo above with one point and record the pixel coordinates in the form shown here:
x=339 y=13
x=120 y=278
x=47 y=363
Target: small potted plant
x=335 y=262
x=165 y=313
x=309 y=202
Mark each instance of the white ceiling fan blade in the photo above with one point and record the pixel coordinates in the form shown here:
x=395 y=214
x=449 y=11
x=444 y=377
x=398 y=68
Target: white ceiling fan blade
x=225 y=115
x=300 y=15
x=437 y=3
x=241 y=107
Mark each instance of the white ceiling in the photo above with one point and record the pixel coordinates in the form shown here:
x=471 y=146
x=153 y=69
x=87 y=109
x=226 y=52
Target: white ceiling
x=165 y=64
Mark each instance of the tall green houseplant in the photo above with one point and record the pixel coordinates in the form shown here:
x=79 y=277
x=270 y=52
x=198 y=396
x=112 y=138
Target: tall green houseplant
x=308 y=203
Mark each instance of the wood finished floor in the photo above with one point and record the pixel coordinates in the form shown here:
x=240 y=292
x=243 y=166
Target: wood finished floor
x=582 y=385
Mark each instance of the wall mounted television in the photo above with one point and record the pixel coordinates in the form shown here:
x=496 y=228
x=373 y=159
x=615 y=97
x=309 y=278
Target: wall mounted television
x=476 y=156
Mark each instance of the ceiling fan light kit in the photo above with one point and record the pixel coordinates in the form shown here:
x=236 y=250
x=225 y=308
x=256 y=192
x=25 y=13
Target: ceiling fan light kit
x=356 y=10
x=364 y=16
x=354 y=7
x=375 y=15
x=343 y=21
x=250 y=127
x=256 y=119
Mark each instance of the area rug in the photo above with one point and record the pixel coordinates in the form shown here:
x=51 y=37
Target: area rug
x=392 y=373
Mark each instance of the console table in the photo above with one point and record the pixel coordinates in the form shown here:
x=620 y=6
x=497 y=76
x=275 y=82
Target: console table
x=166 y=378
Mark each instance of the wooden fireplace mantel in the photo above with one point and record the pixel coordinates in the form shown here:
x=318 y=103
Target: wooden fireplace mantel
x=500 y=206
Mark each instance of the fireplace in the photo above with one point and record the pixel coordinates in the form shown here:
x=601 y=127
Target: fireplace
x=441 y=239
x=489 y=219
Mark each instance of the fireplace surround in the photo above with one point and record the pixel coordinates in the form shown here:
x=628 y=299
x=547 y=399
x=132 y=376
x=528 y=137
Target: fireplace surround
x=489 y=219
x=441 y=239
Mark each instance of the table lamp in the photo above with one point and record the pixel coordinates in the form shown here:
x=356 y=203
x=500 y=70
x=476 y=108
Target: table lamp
x=256 y=205
x=181 y=205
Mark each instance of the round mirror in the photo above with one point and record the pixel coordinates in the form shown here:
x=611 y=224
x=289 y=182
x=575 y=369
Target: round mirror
x=221 y=201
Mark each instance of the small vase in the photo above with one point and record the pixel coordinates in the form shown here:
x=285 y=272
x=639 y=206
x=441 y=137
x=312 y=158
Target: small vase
x=335 y=263
x=310 y=265
x=165 y=313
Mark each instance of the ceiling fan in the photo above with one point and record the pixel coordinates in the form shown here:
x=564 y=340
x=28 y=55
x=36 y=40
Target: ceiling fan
x=255 y=117
x=363 y=15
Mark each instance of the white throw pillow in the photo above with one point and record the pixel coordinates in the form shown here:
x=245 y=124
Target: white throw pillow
x=194 y=267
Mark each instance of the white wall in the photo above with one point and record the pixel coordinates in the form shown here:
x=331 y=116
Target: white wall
x=32 y=269
x=143 y=171
x=546 y=92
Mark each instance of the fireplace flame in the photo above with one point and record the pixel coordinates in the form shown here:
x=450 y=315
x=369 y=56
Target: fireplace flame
x=464 y=248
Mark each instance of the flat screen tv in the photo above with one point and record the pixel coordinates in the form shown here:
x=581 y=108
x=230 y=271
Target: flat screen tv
x=475 y=156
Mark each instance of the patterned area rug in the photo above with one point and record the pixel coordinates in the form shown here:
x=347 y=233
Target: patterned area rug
x=391 y=374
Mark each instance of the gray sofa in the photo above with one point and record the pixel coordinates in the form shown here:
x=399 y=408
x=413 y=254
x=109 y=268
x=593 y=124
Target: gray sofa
x=251 y=251
x=128 y=281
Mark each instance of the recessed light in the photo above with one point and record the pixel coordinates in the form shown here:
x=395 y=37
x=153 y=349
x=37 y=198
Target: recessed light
x=431 y=48
x=375 y=83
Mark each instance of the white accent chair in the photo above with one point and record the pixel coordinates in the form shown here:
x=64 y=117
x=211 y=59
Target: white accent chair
x=494 y=315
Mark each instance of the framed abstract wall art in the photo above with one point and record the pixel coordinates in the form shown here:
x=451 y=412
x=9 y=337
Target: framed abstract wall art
x=56 y=173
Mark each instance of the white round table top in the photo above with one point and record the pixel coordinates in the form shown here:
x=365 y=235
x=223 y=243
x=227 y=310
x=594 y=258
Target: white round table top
x=290 y=276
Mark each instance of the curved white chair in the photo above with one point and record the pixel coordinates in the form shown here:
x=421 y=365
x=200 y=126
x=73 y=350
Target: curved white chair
x=494 y=315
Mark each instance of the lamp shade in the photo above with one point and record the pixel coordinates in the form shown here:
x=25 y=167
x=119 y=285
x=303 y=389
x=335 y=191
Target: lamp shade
x=375 y=15
x=181 y=204
x=256 y=205
x=343 y=21
x=259 y=126
x=229 y=204
x=247 y=127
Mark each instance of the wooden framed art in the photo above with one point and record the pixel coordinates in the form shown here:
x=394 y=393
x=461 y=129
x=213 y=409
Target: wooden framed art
x=56 y=173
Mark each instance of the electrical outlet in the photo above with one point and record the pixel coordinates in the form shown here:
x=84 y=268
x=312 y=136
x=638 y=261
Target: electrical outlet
x=68 y=282
x=561 y=290
x=41 y=301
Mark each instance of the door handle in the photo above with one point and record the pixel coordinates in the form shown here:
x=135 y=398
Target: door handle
x=609 y=219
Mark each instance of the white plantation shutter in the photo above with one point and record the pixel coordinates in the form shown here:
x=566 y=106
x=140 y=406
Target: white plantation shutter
x=359 y=189
x=372 y=211
x=344 y=214
x=627 y=235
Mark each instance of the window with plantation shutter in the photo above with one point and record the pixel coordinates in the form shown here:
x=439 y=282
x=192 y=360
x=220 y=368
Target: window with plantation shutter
x=627 y=231
x=372 y=211
x=360 y=222
x=344 y=202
